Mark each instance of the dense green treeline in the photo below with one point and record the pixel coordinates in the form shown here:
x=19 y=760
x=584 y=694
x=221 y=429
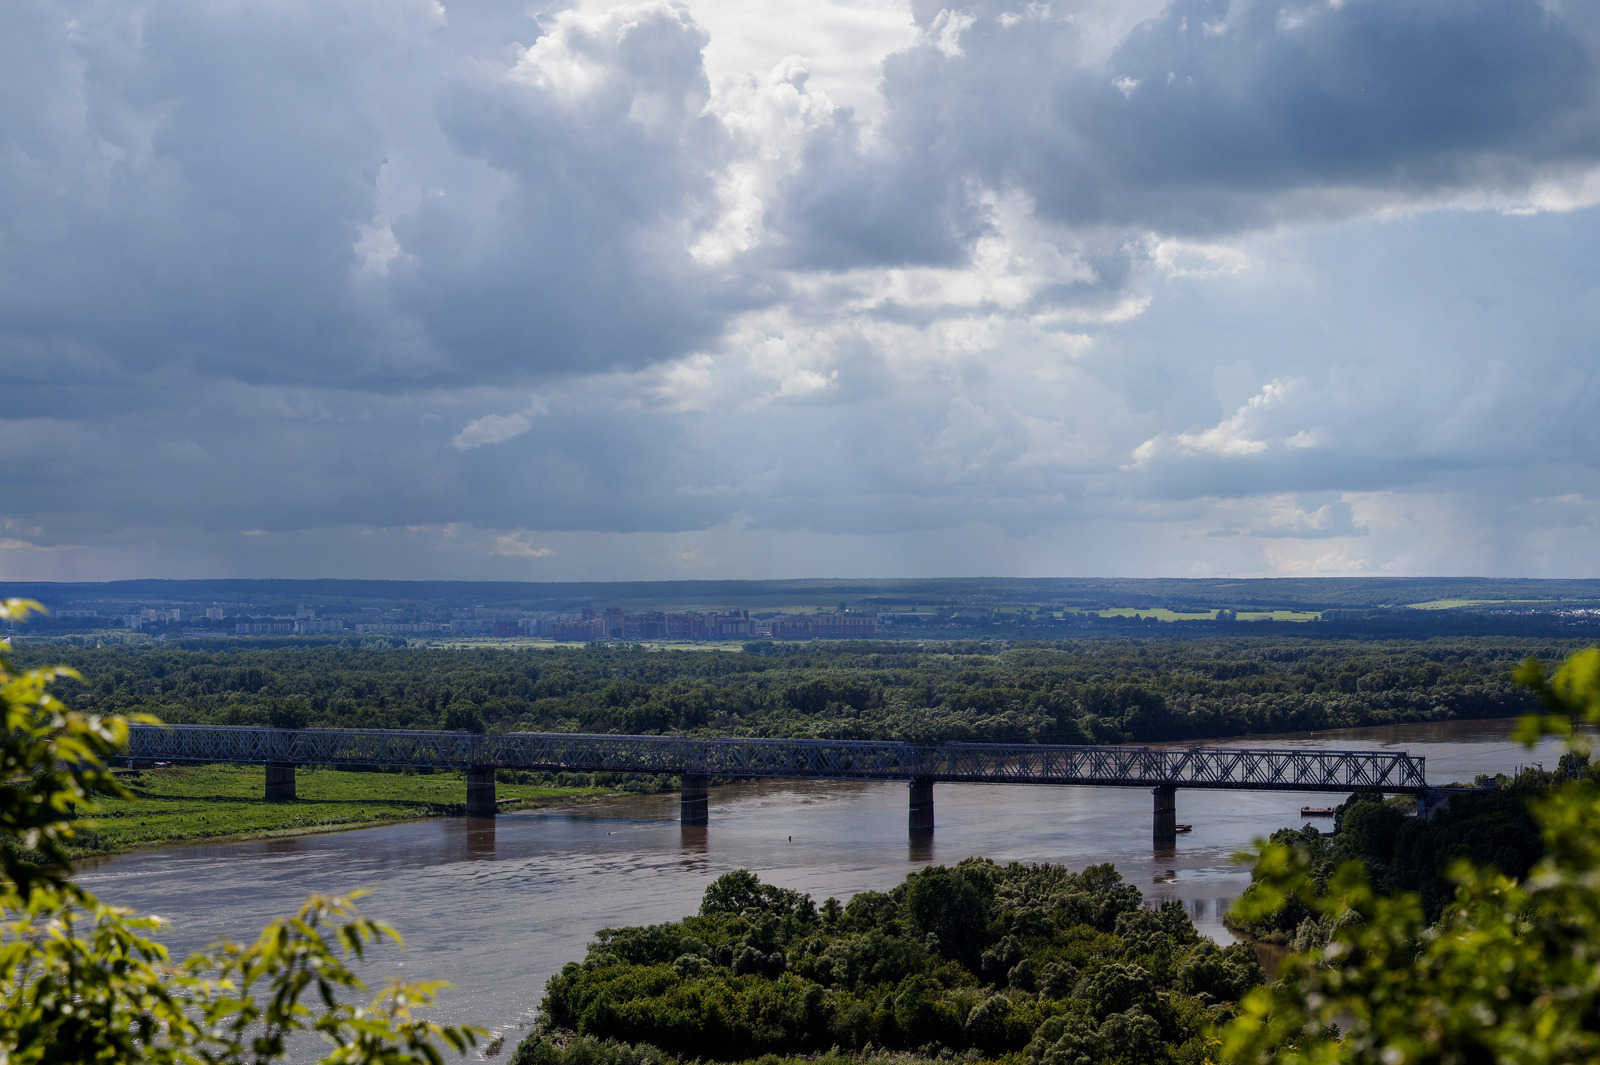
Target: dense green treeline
x=1074 y=691
x=980 y=959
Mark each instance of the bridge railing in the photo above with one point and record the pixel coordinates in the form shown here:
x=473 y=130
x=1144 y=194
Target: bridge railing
x=1187 y=767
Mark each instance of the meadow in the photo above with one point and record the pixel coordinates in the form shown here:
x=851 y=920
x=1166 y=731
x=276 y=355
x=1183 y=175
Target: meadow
x=211 y=803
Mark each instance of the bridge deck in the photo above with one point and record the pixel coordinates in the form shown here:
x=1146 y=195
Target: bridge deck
x=1254 y=768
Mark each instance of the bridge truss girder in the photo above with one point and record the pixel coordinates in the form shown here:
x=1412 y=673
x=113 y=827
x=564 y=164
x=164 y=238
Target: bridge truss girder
x=1252 y=768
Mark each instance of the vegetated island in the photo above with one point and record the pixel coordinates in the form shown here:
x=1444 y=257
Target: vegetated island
x=971 y=963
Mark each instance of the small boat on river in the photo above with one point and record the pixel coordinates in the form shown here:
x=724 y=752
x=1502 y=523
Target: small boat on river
x=1316 y=811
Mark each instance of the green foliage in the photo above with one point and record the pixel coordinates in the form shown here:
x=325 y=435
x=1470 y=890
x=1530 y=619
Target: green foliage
x=953 y=906
x=52 y=761
x=1108 y=690
x=586 y=1050
x=980 y=960
x=1571 y=697
x=1506 y=974
x=742 y=894
x=81 y=981
x=1403 y=854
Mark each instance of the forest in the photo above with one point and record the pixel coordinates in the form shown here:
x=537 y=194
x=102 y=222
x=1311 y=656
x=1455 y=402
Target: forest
x=1103 y=690
x=979 y=960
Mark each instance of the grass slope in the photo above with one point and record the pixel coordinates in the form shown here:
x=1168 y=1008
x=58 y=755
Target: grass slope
x=215 y=802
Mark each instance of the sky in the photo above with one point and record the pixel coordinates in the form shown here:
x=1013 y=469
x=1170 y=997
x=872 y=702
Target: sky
x=854 y=288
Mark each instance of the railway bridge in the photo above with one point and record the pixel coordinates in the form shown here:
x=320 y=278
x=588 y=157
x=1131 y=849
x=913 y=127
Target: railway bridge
x=1161 y=769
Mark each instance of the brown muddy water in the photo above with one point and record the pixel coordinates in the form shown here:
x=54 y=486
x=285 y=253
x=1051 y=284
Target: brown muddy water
x=495 y=907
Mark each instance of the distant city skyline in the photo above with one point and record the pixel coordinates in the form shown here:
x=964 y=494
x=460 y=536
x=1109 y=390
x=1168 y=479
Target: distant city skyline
x=586 y=624
x=630 y=290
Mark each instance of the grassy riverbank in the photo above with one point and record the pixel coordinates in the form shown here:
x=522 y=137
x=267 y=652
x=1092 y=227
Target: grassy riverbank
x=217 y=802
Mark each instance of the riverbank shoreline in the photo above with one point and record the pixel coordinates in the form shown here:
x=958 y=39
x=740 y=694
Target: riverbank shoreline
x=220 y=804
x=79 y=856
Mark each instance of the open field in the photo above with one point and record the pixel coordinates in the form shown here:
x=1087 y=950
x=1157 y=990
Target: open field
x=1160 y=613
x=1505 y=604
x=215 y=802
x=544 y=643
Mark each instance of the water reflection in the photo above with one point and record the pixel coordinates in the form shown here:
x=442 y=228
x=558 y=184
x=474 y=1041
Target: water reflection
x=282 y=845
x=480 y=838
x=694 y=840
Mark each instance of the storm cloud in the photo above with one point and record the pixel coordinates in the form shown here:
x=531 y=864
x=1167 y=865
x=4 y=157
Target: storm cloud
x=634 y=289
x=1213 y=117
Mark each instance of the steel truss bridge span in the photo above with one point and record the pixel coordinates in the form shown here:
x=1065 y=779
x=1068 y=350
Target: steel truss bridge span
x=1246 y=768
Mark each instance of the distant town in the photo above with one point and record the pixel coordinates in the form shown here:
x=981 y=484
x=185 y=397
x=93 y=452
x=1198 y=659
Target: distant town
x=584 y=626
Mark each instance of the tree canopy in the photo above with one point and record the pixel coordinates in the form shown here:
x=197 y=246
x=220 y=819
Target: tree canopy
x=979 y=959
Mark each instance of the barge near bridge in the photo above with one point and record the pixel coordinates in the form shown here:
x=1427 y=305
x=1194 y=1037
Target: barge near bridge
x=1161 y=769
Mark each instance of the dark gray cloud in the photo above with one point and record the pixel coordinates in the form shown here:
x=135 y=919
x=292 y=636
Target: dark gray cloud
x=851 y=205
x=1215 y=116
x=580 y=263
x=193 y=191
x=351 y=194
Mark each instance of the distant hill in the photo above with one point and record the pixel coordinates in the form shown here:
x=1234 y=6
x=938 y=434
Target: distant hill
x=1071 y=593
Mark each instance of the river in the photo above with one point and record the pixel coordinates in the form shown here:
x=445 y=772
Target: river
x=496 y=906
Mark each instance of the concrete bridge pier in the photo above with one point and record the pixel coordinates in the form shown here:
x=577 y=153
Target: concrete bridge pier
x=1166 y=823
x=922 y=805
x=480 y=791
x=280 y=781
x=694 y=807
